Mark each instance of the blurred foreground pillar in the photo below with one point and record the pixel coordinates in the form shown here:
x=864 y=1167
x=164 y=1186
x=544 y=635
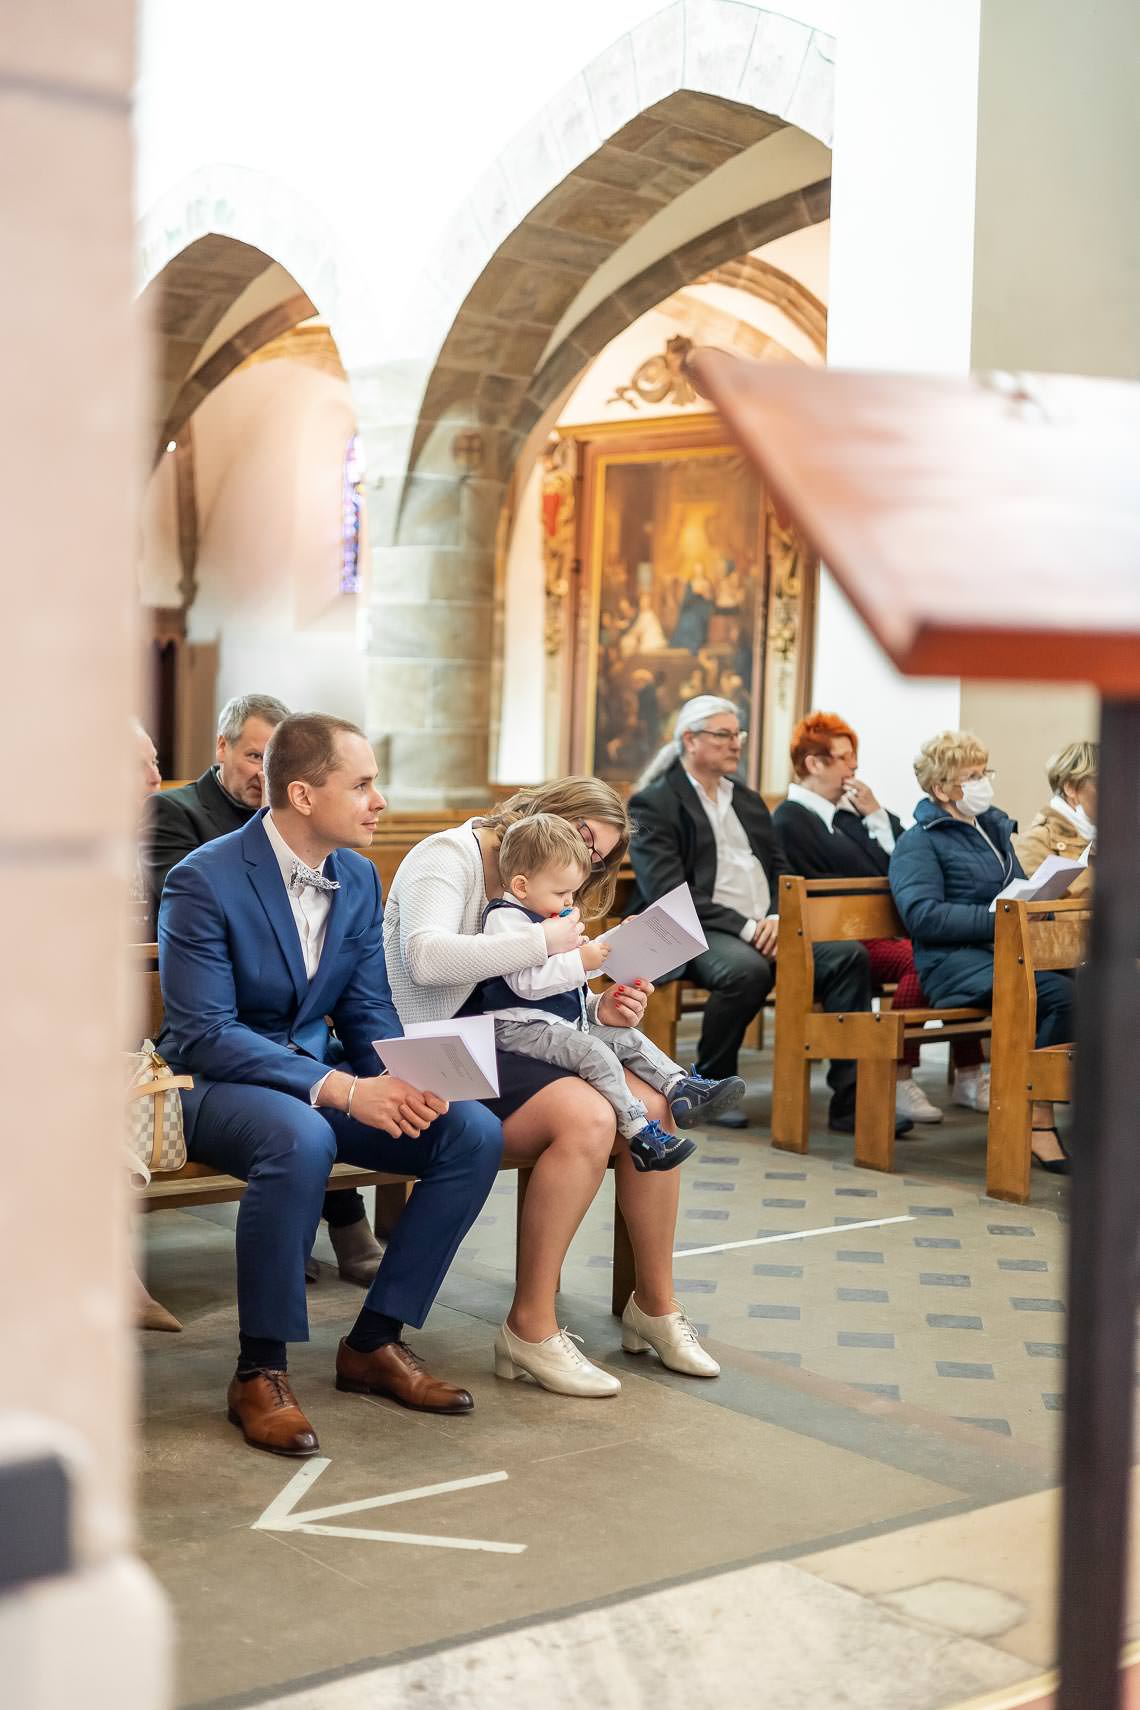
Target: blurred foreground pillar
x=81 y=1621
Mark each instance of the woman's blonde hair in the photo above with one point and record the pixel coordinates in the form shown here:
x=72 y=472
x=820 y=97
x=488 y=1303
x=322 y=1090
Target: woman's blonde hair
x=1075 y=764
x=541 y=840
x=942 y=758
x=574 y=799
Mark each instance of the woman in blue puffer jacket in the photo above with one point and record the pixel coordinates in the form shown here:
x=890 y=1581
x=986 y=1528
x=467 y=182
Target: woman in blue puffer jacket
x=945 y=872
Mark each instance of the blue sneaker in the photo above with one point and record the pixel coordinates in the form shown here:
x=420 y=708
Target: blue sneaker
x=695 y=1100
x=656 y=1149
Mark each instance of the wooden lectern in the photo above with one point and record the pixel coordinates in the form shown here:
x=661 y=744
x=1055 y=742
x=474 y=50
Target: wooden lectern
x=992 y=525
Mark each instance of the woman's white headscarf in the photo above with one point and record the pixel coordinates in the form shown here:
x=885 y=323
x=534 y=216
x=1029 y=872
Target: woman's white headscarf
x=691 y=717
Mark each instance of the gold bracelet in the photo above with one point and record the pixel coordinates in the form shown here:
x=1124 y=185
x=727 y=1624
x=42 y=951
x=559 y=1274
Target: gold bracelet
x=351 y=1091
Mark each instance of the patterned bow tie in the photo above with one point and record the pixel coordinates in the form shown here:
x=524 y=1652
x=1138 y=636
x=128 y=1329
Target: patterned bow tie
x=302 y=876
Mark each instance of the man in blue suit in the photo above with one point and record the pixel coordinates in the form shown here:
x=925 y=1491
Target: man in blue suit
x=262 y=934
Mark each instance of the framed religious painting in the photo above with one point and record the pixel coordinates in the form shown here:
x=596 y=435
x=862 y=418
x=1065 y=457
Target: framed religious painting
x=689 y=585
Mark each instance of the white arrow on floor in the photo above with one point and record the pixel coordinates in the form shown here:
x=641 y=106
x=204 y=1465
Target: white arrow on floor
x=280 y=1516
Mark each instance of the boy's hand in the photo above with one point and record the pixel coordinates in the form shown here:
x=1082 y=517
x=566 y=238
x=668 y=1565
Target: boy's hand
x=594 y=954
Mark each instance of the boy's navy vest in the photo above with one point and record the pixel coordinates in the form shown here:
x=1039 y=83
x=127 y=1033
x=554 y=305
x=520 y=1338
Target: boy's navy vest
x=497 y=994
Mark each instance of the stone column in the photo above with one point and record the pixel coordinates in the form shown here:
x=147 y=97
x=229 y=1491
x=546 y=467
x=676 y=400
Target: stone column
x=430 y=611
x=81 y=1621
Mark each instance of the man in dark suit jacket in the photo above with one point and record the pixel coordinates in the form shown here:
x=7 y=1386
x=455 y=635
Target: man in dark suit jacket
x=223 y=799
x=262 y=934
x=697 y=822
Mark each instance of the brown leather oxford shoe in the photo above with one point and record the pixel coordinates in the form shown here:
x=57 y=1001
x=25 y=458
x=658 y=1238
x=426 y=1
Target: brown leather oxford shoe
x=396 y=1372
x=266 y=1409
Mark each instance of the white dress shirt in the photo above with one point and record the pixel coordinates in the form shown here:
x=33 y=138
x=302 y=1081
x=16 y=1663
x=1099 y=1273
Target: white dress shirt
x=878 y=823
x=741 y=882
x=310 y=912
x=310 y=907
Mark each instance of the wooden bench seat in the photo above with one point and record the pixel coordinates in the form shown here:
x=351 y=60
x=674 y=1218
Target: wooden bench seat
x=199 y=1184
x=1029 y=938
x=816 y=911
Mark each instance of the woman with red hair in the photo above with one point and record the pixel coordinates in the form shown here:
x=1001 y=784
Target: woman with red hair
x=832 y=826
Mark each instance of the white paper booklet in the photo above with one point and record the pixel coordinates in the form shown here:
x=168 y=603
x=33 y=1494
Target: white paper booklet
x=663 y=937
x=1051 y=880
x=455 y=1059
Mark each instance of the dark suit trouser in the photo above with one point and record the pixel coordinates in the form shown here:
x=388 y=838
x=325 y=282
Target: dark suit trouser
x=284 y=1149
x=739 y=978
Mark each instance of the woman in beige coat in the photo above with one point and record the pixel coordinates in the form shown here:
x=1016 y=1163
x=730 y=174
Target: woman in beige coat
x=1068 y=824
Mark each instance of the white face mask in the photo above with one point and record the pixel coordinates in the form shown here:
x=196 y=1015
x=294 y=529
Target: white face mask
x=977 y=796
x=1084 y=824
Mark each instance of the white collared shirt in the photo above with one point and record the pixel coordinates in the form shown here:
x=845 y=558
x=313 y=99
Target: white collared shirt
x=741 y=882
x=310 y=912
x=878 y=823
x=310 y=908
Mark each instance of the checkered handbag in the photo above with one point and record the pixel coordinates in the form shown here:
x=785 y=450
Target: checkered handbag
x=154 y=1113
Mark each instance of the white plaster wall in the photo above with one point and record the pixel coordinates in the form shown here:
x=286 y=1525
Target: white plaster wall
x=269 y=445
x=902 y=219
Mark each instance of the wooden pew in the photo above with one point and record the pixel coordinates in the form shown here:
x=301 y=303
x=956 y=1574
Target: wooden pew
x=199 y=1184
x=1029 y=938
x=816 y=911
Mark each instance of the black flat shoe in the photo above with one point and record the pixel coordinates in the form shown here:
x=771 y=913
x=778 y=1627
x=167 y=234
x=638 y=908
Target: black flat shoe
x=1062 y=1166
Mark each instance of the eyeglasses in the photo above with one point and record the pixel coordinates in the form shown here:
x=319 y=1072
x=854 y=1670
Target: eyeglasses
x=724 y=735
x=987 y=772
x=597 y=859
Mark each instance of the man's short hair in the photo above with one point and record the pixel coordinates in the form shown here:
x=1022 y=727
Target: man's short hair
x=233 y=716
x=303 y=750
x=541 y=840
x=814 y=735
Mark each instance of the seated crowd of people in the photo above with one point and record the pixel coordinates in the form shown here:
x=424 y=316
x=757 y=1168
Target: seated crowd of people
x=271 y=926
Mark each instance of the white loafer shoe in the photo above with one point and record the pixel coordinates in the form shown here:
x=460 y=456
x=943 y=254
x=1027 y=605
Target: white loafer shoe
x=556 y=1364
x=672 y=1336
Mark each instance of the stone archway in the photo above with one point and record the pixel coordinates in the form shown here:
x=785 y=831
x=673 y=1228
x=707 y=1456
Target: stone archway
x=562 y=243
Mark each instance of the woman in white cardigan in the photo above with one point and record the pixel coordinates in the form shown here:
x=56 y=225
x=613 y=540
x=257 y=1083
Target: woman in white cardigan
x=552 y=1121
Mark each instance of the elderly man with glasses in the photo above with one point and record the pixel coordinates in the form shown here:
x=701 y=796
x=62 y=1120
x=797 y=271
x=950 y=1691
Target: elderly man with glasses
x=699 y=822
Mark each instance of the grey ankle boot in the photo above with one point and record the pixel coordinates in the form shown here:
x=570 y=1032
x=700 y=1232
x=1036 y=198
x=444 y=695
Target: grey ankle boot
x=358 y=1253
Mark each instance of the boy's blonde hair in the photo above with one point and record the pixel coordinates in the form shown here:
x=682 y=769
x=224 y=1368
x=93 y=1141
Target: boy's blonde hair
x=540 y=840
x=943 y=757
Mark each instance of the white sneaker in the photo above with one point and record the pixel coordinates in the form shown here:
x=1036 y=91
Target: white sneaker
x=673 y=1336
x=910 y=1100
x=972 y=1087
x=556 y=1364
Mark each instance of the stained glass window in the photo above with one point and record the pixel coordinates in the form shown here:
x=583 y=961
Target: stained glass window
x=352 y=498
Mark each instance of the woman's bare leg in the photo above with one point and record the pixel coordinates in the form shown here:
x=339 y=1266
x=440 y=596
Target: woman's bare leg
x=648 y=1201
x=565 y=1134
x=1044 y=1142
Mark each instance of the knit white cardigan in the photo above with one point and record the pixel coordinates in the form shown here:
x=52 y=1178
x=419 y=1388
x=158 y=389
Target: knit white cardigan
x=433 y=942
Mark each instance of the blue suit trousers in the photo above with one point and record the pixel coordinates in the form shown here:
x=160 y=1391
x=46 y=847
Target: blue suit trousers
x=284 y=1149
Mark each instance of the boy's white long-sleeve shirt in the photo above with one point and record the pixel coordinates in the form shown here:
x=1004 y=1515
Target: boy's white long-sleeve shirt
x=552 y=978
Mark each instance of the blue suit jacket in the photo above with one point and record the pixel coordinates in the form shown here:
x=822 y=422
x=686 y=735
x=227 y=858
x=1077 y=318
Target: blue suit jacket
x=238 y=1004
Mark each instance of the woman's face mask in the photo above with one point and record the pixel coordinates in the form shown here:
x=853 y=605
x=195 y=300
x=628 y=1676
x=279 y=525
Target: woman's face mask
x=977 y=796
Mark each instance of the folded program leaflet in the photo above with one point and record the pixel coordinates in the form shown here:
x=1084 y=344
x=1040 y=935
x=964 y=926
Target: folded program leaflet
x=664 y=936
